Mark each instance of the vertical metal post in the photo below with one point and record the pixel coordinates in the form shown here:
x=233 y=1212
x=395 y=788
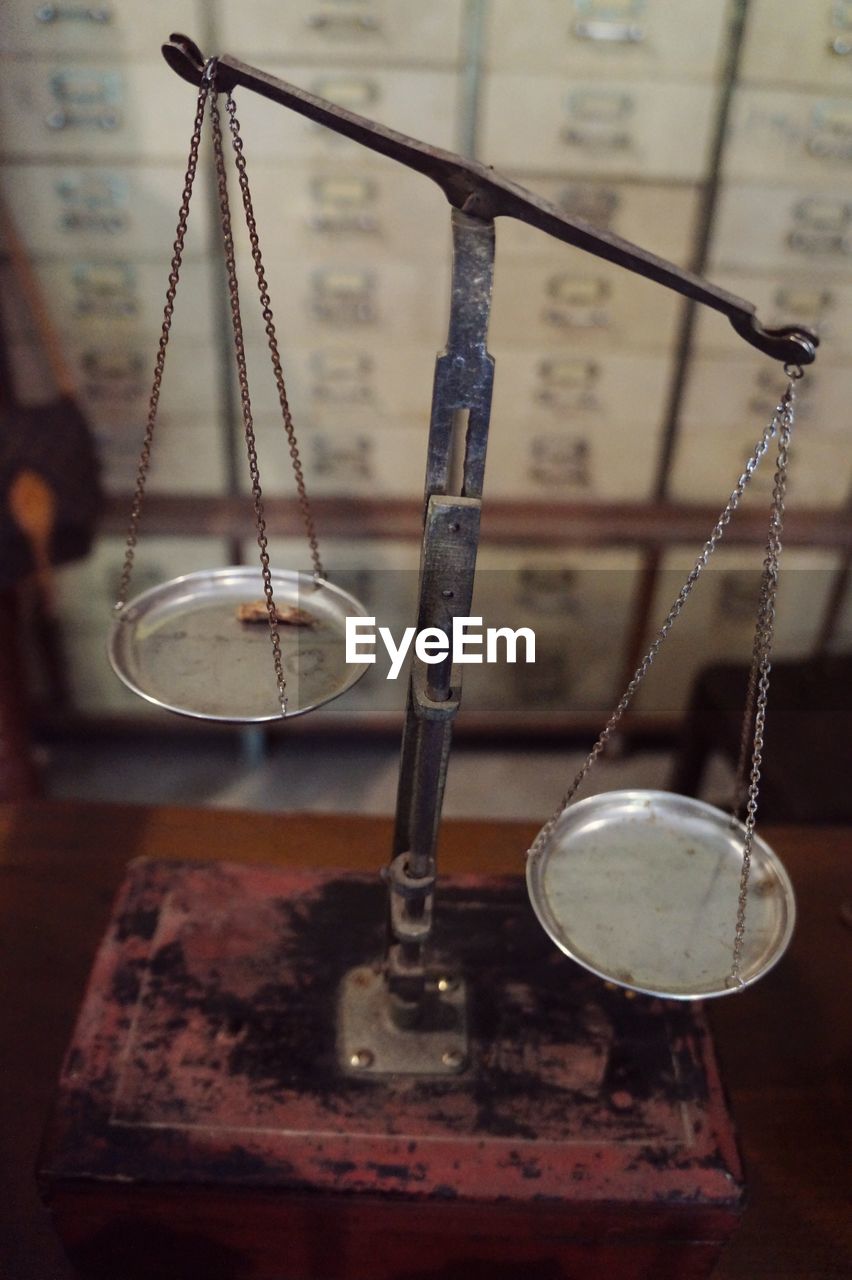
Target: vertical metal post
x=424 y=1005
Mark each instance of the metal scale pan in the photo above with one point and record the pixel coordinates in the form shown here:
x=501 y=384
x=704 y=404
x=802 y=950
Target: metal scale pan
x=181 y=645
x=641 y=888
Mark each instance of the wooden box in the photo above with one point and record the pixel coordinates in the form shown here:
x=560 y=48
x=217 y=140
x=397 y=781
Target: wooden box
x=204 y=1129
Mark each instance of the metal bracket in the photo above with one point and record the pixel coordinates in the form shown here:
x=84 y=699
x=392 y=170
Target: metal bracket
x=371 y=1042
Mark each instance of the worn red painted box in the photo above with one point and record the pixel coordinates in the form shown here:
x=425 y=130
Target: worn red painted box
x=204 y=1130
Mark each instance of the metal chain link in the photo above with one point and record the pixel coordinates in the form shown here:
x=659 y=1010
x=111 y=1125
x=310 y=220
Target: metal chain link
x=761 y=664
x=245 y=398
x=168 y=312
x=266 y=311
x=776 y=424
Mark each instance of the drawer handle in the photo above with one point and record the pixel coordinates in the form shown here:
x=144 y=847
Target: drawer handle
x=829 y=147
x=817 y=242
x=48 y=13
x=813 y=303
x=609 y=32
x=574 y=319
x=596 y=139
x=86 y=220
x=58 y=120
x=343 y=22
x=344 y=224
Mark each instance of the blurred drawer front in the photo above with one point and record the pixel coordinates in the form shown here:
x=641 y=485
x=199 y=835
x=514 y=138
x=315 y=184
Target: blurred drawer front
x=53 y=109
x=718 y=622
x=102 y=212
x=787 y=227
x=317 y=209
x=109 y=28
x=188 y=455
x=374 y=31
x=421 y=103
x=822 y=302
x=364 y=462
x=536 y=460
x=114 y=380
x=603 y=393
x=578 y=605
x=392 y=300
x=355 y=379
x=583 y=302
x=609 y=38
x=742 y=393
x=706 y=470
x=653 y=215
x=115 y=300
x=543 y=124
x=772 y=134
x=807 y=43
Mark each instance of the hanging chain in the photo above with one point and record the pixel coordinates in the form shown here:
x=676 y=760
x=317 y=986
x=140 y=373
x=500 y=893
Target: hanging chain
x=168 y=312
x=761 y=665
x=778 y=423
x=245 y=399
x=266 y=311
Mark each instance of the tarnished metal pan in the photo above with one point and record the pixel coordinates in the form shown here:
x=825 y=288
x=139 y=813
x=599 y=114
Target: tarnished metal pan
x=182 y=646
x=641 y=887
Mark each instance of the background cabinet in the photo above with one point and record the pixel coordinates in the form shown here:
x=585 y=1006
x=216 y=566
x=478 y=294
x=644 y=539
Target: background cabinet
x=717 y=133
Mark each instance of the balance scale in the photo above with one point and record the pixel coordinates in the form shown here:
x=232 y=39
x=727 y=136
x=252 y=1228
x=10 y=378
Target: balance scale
x=288 y=1074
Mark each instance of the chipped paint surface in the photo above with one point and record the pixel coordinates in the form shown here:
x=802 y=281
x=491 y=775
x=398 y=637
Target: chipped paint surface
x=204 y=1053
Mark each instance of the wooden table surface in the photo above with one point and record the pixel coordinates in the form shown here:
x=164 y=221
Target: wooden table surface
x=785 y=1047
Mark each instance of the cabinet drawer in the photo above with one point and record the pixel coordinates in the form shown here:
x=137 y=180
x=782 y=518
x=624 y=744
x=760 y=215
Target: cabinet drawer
x=573 y=464
x=320 y=209
x=656 y=216
x=82 y=210
x=820 y=301
x=586 y=303
x=609 y=38
x=564 y=392
x=772 y=134
x=706 y=470
x=717 y=624
x=421 y=103
x=625 y=128
x=578 y=603
x=742 y=393
x=356 y=31
x=114 y=380
x=760 y=229
x=352 y=379
x=114 y=300
x=366 y=462
x=108 y=28
x=344 y=297
x=188 y=455
x=99 y=111
x=808 y=44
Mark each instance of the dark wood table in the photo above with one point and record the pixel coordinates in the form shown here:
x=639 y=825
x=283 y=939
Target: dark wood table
x=784 y=1047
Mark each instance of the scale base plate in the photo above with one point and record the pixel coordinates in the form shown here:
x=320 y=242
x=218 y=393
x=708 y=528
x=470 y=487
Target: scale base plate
x=204 y=1125
x=370 y=1042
